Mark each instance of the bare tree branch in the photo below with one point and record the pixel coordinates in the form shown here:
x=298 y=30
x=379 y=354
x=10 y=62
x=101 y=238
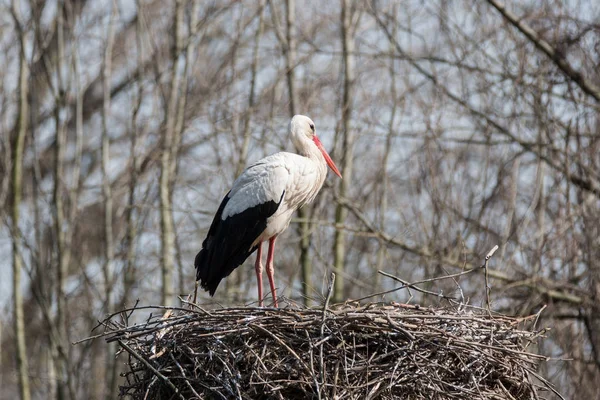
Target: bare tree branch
x=556 y=56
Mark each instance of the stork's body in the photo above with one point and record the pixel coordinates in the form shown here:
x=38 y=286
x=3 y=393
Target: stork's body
x=260 y=206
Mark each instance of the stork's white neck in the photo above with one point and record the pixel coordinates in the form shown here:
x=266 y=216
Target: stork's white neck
x=303 y=136
x=315 y=157
x=309 y=149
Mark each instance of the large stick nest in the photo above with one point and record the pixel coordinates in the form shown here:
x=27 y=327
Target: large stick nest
x=346 y=352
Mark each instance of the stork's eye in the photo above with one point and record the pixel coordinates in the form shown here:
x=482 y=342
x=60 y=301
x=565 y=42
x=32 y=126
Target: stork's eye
x=312 y=127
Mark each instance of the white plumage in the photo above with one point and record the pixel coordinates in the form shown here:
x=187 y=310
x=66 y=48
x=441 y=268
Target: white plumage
x=293 y=179
x=260 y=206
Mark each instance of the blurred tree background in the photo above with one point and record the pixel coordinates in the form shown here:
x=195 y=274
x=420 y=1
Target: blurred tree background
x=457 y=125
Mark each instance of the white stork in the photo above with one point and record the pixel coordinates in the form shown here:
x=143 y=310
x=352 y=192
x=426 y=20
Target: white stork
x=260 y=206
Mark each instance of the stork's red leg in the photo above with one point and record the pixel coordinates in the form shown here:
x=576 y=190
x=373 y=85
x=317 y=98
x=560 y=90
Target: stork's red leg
x=271 y=269
x=259 y=269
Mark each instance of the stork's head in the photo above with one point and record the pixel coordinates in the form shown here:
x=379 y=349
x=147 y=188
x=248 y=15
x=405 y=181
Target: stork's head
x=304 y=136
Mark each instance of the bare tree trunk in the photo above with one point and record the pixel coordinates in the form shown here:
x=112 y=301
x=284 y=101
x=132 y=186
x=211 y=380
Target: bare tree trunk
x=512 y=205
x=179 y=125
x=290 y=54
x=540 y=211
x=166 y=215
x=17 y=179
x=110 y=377
x=98 y=370
x=288 y=44
x=43 y=289
x=232 y=289
x=52 y=387
x=384 y=173
x=246 y=275
x=129 y=275
x=251 y=95
x=303 y=214
x=339 y=253
x=130 y=271
x=64 y=388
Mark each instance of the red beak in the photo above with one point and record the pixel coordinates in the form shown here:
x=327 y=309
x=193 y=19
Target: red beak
x=328 y=159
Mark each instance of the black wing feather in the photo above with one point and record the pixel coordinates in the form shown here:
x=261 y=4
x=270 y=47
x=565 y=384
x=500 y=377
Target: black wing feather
x=228 y=242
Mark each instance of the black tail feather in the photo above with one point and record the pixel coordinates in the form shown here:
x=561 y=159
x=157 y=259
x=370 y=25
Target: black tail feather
x=229 y=242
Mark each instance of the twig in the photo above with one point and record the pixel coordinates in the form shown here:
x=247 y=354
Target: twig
x=412 y=284
x=537 y=316
x=488 y=288
x=184 y=377
x=150 y=367
x=407 y=285
x=193 y=305
x=328 y=298
x=321 y=355
x=281 y=342
x=545 y=383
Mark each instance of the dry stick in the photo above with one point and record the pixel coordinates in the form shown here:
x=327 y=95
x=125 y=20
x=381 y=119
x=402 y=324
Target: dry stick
x=281 y=342
x=545 y=382
x=187 y=382
x=537 y=316
x=406 y=285
x=328 y=298
x=534 y=390
x=325 y=306
x=398 y=327
x=161 y=307
x=193 y=306
x=147 y=364
x=154 y=380
x=312 y=365
x=506 y=392
x=409 y=285
x=488 y=288
x=129 y=331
